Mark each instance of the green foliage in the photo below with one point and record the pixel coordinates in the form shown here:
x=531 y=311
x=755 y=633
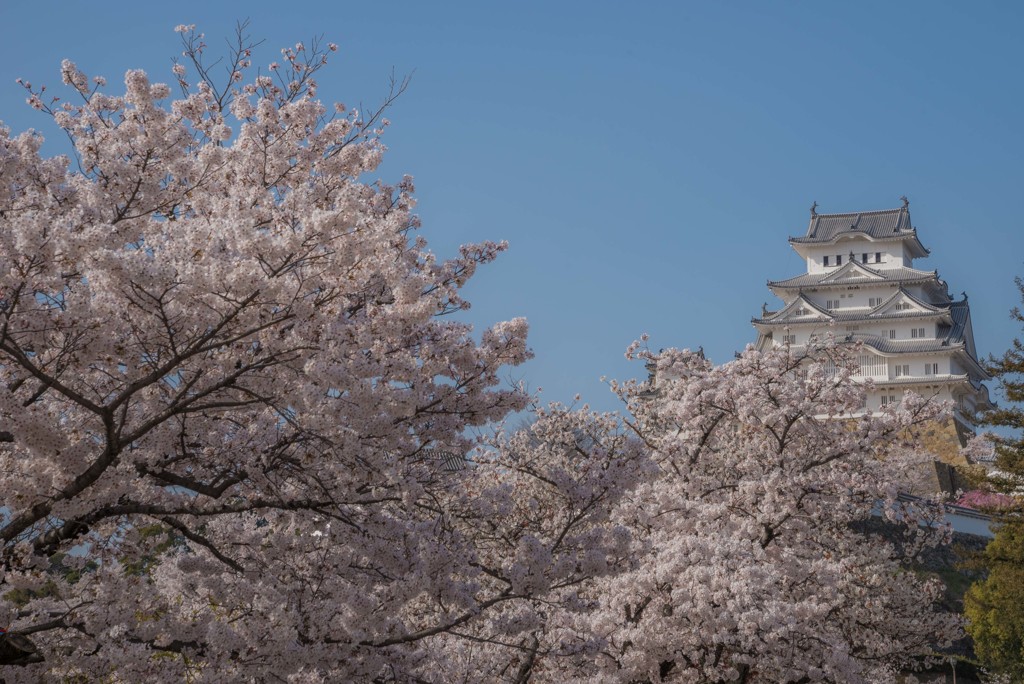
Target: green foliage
x=1009 y=371
x=21 y=596
x=994 y=606
x=162 y=540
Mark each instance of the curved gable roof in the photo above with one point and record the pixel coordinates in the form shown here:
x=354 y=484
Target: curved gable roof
x=885 y=224
x=902 y=294
x=898 y=275
x=877 y=224
x=792 y=310
x=852 y=271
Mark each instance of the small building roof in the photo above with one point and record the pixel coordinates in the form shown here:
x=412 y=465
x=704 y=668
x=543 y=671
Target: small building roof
x=449 y=460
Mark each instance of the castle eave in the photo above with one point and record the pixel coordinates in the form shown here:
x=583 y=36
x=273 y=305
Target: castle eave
x=937 y=380
x=885 y=225
x=828 y=279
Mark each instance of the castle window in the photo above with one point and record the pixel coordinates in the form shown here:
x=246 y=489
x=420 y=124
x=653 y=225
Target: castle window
x=892 y=334
x=878 y=257
x=917 y=333
x=864 y=258
x=902 y=370
x=874 y=301
x=839 y=259
x=826 y=261
x=931 y=369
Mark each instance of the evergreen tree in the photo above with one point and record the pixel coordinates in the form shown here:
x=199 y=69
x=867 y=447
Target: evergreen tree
x=995 y=606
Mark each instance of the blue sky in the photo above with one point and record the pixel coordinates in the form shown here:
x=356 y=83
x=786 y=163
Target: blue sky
x=646 y=161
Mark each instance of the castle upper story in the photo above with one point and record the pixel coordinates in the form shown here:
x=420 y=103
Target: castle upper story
x=880 y=239
x=861 y=285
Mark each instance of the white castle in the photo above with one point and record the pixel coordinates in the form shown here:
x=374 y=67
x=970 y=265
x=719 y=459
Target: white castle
x=861 y=285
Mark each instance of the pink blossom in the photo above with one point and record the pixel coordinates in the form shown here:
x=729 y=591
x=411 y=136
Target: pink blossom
x=983 y=500
x=238 y=410
x=269 y=347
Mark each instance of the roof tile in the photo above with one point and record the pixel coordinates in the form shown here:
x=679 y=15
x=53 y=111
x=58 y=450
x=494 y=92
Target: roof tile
x=878 y=224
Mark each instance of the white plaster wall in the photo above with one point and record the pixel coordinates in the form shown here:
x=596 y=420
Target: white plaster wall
x=939 y=393
x=893 y=255
x=904 y=330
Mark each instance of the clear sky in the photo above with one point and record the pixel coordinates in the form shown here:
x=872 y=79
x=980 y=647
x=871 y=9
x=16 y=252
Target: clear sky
x=646 y=161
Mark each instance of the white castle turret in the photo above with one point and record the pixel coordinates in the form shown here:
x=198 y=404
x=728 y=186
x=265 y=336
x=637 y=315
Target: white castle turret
x=861 y=285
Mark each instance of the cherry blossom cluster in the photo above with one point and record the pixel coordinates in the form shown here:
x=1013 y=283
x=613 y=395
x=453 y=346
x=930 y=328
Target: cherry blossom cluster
x=756 y=551
x=236 y=436
x=227 y=368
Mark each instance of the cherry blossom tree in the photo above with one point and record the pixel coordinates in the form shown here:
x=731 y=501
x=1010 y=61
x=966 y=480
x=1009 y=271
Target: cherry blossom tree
x=234 y=410
x=234 y=405
x=539 y=513
x=754 y=554
x=753 y=532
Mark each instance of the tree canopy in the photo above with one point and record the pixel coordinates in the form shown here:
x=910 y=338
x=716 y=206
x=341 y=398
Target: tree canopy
x=226 y=370
x=236 y=411
x=754 y=558
x=994 y=606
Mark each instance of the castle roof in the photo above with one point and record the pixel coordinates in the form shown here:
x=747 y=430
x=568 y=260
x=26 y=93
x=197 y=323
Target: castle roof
x=933 y=380
x=954 y=335
x=854 y=273
x=881 y=312
x=952 y=331
x=883 y=225
x=887 y=346
x=842 y=302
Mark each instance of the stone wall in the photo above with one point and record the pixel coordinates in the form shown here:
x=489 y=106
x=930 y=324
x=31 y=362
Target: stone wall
x=943 y=439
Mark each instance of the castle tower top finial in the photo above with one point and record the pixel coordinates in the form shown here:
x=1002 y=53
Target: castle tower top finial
x=814 y=209
x=906 y=202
